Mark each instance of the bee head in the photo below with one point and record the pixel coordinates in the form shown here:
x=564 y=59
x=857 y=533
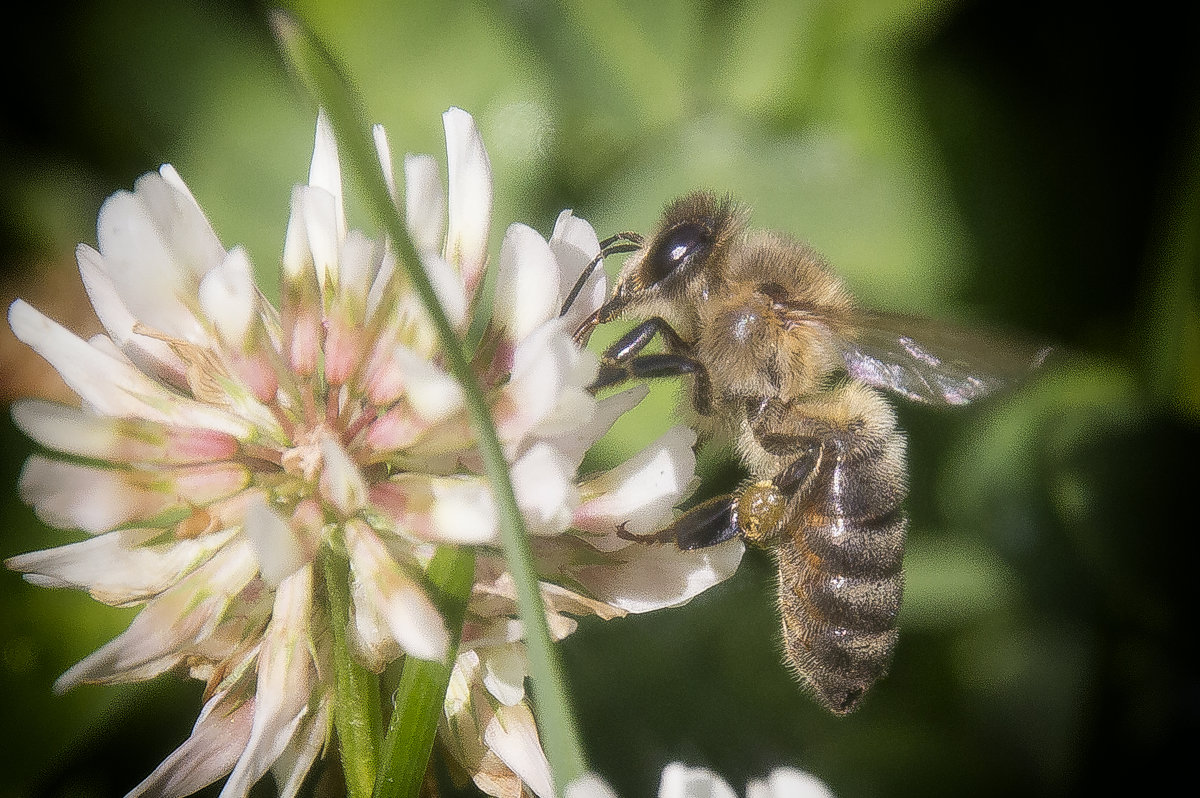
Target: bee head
x=674 y=269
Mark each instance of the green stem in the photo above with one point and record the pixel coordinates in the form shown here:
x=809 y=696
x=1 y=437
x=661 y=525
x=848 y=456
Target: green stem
x=422 y=690
x=326 y=81
x=356 y=690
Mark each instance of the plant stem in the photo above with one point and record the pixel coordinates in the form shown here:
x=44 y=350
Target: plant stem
x=326 y=81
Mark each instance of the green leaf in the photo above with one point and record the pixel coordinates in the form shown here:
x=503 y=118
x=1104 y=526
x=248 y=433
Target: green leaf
x=422 y=690
x=356 y=690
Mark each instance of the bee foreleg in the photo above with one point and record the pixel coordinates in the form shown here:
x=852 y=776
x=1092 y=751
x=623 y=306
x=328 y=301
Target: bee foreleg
x=633 y=342
x=659 y=365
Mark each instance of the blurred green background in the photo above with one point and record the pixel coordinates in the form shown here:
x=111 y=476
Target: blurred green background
x=1035 y=170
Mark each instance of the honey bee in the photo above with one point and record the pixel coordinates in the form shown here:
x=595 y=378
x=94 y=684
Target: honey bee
x=783 y=363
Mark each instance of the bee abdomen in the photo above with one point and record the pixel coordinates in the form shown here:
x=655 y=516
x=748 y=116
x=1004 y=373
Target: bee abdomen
x=861 y=604
x=840 y=580
x=865 y=548
x=839 y=664
x=839 y=626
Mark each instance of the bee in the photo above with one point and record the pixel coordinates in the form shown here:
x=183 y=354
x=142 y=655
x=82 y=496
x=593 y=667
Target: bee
x=783 y=363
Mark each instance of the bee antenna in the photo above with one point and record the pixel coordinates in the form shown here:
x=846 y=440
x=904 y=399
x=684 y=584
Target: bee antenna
x=609 y=246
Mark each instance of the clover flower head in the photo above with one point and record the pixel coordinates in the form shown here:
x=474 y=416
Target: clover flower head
x=223 y=444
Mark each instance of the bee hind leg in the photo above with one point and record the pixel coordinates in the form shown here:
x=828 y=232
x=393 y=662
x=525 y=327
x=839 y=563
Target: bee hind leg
x=756 y=512
x=706 y=524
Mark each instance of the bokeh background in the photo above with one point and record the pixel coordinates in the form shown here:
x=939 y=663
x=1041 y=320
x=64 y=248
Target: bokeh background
x=1031 y=168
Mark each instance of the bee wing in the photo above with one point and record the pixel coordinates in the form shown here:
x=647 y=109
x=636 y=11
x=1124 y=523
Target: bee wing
x=932 y=362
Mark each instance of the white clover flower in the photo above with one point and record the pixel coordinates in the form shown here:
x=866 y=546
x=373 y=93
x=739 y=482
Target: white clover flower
x=682 y=781
x=223 y=443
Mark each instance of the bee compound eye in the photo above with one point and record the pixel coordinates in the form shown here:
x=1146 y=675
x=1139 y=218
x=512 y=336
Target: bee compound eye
x=680 y=245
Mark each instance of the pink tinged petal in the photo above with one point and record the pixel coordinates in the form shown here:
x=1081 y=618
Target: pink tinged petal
x=325 y=171
x=307 y=743
x=654 y=577
x=183 y=445
x=589 y=785
x=276 y=547
x=229 y=298
x=216 y=742
x=575 y=245
x=119 y=568
x=304 y=344
x=403 y=504
x=138 y=259
x=160 y=636
x=285 y=675
x=470 y=175
x=495 y=632
x=341 y=483
x=424 y=202
x=788 y=783
x=344 y=332
x=681 y=781
x=543 y=481
x=343 y=348
x=74 y=496
x=110 y=385
x=255 y=371
x=527 y=284
x=301 y=288
x=197 y=445
x=411 y=617
x=153 y=355
x=641 y=492
x=384 y=383
x=396 y=429
x=504 y=671
x=512 y=735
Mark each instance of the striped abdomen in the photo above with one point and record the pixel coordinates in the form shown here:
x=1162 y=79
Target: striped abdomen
x=840 y=578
